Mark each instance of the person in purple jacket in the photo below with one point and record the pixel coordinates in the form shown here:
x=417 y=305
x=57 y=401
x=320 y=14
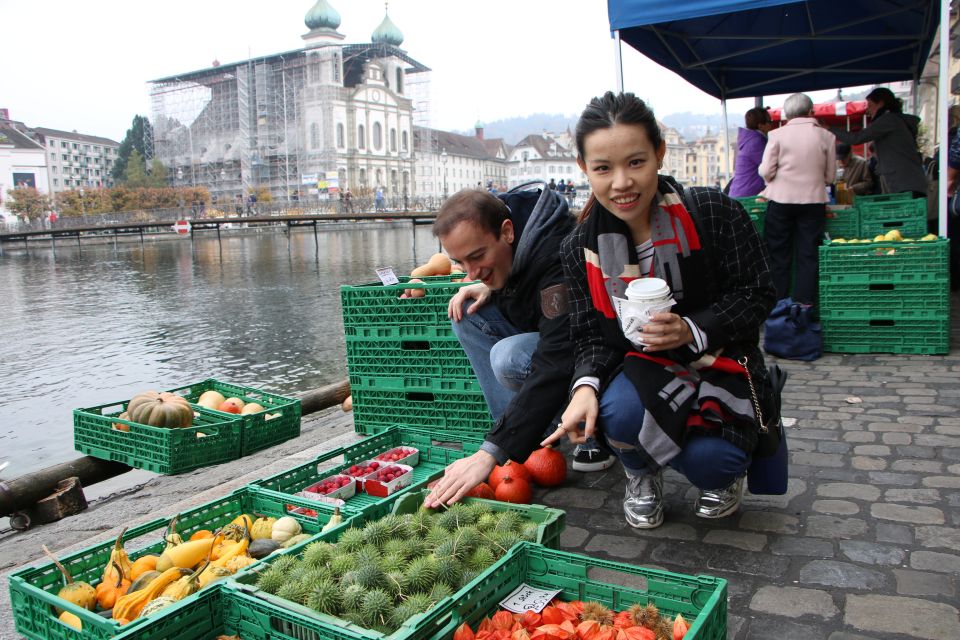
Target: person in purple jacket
x=750 y=143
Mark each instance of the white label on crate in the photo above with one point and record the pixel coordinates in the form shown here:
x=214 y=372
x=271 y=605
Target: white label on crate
x=527 y=598
x=387 y=276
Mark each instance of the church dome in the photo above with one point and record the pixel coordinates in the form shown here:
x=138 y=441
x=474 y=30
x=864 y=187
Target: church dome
x=322 y=16
x=387 y=33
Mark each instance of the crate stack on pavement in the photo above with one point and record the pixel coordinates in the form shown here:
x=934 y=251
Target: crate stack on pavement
x=756 y=208
x=874 y=215
x=885 y=297
x=405 y=364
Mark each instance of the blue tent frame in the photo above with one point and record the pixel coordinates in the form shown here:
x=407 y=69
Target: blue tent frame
x=745 y=48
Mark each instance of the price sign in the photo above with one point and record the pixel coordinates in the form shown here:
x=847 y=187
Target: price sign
x=387 y=276
x=527 y=598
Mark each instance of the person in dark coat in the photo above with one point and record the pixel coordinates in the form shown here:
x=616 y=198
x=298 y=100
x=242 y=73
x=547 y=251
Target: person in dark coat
x=751 y=141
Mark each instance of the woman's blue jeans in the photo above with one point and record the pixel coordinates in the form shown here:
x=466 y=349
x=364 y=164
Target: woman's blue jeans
x=708 y=462
x=499 y=352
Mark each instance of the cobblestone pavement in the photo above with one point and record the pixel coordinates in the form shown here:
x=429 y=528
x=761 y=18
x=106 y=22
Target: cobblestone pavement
x=866 y=542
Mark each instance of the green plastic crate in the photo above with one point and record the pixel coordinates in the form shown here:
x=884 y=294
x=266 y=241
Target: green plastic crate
x=909 y=217
x=379 y=304
x=33 y=590
x=892 y=295
x=197 y=618
x=843 y=223
x=880 y=261
x=890 y=334
x=424 y=384
x=882 y=197
x=702 y=600
x=258 y=432
x=257 y=615
x=406 y=350
x=449 y=414
x=279 y=488
x=214 y=438
x=550 y=521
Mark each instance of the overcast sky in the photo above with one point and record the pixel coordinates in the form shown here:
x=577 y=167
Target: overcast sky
x=85 y=64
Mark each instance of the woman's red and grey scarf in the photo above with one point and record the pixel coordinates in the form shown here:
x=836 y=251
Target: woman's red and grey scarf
x=683 y=392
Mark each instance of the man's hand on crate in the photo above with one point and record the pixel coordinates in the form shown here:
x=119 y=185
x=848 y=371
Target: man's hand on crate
x=479 y=293
x=459 y=478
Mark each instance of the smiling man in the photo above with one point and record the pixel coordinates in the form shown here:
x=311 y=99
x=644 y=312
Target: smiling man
x=512 y=323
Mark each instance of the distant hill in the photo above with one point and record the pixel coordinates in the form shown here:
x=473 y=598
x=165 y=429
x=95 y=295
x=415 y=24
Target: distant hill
x=513 y=130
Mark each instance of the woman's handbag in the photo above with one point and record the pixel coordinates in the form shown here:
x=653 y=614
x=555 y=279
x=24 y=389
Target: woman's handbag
x=791 y=332
x=768 y=472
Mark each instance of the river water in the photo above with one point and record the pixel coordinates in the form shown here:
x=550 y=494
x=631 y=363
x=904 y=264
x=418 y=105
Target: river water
x=87 y=326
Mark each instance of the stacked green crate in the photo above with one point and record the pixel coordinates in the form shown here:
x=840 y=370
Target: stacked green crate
x=885 y=297
x=906 y=215
x=842 y=223
x=756 y=208
x=406 y=365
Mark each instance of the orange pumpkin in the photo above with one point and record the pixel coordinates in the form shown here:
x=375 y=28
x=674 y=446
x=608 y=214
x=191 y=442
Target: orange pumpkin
x=107 y=591
x=482 y=490
x=143 y=564
x=517 y=491
x=547 y=467
x=516 y=470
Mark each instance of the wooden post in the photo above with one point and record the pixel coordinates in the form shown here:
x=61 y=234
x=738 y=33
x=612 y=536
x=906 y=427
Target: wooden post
x=324 y=397
x=27 y=490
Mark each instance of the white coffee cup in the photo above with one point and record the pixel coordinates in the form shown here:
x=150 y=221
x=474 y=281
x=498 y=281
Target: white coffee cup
x=645 y=298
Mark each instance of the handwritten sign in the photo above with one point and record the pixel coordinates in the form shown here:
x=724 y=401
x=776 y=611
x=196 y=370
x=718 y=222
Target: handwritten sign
x=527 y=598
x=387 y=276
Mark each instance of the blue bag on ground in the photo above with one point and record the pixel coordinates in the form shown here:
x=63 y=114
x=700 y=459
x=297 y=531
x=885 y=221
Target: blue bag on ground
x=791 y=332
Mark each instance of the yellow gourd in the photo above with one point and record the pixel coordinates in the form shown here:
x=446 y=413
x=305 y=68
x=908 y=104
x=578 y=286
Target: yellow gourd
x=171 y=537
x=284 y=529
x=439 y=265
x=236 y=563
x=243 y=520
x=142 y=565
x=78 y=593
x=119 y=565
x=188 y=554
x=185 y=586
x=71 y=620
x=262 y=528
x=212 y=575
x=108 y=591
x=156 y=604
x=128 y=607
x=335 y=520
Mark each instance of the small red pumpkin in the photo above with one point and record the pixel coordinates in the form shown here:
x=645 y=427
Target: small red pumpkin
x=547 y=467
x=515 y=490
x=482 y=490
x=516 y=470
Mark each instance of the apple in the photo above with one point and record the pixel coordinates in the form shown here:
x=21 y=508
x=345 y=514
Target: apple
x=251 y=407
x=211 y=399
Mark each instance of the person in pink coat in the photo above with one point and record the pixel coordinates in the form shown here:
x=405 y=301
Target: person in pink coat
x=798 y=163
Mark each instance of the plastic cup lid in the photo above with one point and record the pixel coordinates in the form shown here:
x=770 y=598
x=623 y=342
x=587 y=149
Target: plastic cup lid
x=647 y=289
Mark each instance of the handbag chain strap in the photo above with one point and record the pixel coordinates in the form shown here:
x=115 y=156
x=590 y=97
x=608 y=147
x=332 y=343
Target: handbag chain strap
x=753 y=395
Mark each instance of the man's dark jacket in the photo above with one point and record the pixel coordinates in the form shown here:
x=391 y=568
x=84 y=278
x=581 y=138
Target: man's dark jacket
x=535 y=299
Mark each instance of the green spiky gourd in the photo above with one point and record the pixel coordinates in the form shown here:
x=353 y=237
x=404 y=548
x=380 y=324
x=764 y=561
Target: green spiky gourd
x=392 y=563
x=467 y=577
x=487 y=522
x=530 y=531
x=508 y=521
x=397 y=547
x=470 y=538
x=271 y=580
x=421 y=574
x=340 y=565
x=355 y=617
x=353 y=597
x=480 y=559
x=451 y=519
x=478 y=510
x=418 y=547
x=503 y=540
x=369 y=576
x=396 y=525
x=419 y=602
x=440 y=591
x=352 y=540
x=294 y=592
x=325 y=597
x=451 y=548
x=436 y=536
x=284 y=564
x=394 y=583
x=420 y=523
x=449 y=571
x=318 y=554
x=376 y=607
x=376 y=533
x=369 y=554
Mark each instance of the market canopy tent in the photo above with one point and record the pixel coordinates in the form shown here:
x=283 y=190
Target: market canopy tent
x=745 y=48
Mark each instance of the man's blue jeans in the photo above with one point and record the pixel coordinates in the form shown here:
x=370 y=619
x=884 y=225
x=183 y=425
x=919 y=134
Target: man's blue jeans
x=709 y=463
x=500 y=354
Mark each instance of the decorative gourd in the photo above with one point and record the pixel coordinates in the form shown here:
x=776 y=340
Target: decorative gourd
x=516 y=470
x=119 y=426
x=142 y=565
x=439 y=265
x=213 y=575
x=295 y=540
x=238 y=562
x=262 y=528
x=547 y=467
x=262 y=548
x=243 y=520
x=78 y=593
x=119 y=565
x=188 y=554
x=155 y=605
x=71 y=620
x=284 y=529
x=164 y=409
x=185 y=586
x=251 y=407
x=143 y=580
x=108 y=591
x=130 y=606
x=171 y=537
x=200 y=534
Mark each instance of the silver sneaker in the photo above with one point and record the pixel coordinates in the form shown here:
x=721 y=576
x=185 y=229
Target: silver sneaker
x=643 y=502
x=719 y=502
